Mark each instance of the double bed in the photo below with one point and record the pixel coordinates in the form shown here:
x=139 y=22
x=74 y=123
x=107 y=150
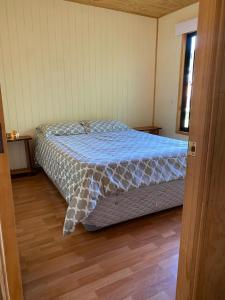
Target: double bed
x=109 y=173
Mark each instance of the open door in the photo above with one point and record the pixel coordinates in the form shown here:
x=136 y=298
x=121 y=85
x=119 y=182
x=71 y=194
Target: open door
x=10 y=278
x=201 y=274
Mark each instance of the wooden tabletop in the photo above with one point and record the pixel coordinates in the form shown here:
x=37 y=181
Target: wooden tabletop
x=146 y=128
x=21 y=138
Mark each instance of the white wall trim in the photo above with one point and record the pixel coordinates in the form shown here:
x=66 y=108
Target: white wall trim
x=187 y=26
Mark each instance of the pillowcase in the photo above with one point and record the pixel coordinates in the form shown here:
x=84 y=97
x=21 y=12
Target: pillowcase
x=103 y=126
x=67 y=128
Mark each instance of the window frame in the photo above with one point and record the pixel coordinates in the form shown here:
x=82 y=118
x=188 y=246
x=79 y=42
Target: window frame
x=181 y=83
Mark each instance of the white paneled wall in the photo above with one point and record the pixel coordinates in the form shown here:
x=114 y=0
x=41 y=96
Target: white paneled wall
x=168 y=69
x=65 y=61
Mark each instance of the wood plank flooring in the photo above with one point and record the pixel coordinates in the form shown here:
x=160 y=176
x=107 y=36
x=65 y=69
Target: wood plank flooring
x=136 y=260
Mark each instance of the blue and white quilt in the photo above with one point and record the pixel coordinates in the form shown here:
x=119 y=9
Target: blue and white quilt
x=90 y=166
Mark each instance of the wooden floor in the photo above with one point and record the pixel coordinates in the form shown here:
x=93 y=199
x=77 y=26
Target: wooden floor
x=133 y=260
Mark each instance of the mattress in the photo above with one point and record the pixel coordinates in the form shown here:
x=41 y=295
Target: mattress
x=141 y=202
x=89 y=167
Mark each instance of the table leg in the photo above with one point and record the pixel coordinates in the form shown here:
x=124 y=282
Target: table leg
x=28 y=154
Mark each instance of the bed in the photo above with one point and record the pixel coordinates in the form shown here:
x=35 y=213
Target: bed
x=109 y=173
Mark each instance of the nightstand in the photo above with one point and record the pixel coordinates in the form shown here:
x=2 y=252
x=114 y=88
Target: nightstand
x=26 y=139
x=149 y=129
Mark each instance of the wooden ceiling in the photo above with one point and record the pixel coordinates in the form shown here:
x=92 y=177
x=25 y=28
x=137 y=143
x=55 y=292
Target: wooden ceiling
x=149 y=8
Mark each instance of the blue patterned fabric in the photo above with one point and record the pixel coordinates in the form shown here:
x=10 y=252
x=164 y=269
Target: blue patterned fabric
x=103 y=126
x=66 y=128
x=88 y=167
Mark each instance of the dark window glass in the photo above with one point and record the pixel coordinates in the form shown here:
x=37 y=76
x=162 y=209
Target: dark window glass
x=188 y=81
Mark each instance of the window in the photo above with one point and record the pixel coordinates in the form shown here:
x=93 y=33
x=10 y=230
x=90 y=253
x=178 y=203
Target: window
x=186 y=81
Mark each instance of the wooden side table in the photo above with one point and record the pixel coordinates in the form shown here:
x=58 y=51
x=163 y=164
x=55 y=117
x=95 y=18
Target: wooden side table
x=26 y=139
x=149 y=129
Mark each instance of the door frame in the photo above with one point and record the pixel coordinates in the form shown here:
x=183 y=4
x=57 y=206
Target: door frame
x=10 y=278
x=200 y=265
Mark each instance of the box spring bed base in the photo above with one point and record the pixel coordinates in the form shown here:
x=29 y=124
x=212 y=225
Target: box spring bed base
x=135 y=203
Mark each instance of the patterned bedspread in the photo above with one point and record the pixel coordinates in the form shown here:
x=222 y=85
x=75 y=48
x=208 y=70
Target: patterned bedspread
x=87 y=167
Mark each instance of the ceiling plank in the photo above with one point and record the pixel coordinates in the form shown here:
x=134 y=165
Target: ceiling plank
x=148 y=8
